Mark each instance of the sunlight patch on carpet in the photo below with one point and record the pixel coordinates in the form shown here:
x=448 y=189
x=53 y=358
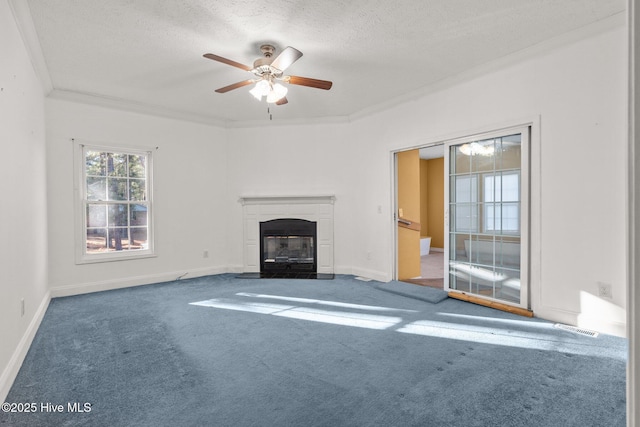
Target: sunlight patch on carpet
x=324 y=302
x=488 y=335
x=359 y=320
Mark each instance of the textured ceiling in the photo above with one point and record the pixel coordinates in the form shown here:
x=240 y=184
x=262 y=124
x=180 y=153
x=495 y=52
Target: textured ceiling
x=148 y=53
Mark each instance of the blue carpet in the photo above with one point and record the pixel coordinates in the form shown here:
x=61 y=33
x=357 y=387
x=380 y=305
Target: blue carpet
x=222 y=351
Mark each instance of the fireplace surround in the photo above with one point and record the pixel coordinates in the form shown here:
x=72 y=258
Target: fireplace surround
x=300 y=212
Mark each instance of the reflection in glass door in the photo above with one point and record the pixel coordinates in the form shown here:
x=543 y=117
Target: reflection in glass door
x=488 y=216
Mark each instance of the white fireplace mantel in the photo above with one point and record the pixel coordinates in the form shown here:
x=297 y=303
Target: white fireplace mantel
x=317 y=208
x=286 y=200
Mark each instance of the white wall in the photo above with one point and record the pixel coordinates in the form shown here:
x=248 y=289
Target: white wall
x=23 y=217
x=294 y=161
x=190 y=175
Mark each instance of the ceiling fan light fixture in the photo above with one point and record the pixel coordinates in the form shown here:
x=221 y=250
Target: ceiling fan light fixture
x=277 y=93
x=262 y=88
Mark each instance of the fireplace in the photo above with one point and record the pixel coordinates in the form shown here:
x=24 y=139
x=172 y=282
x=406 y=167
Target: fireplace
x=288 y=248
x=313 y=224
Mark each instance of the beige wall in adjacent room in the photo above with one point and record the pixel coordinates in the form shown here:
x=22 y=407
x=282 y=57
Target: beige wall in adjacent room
x=432 y=200
x=409 y=208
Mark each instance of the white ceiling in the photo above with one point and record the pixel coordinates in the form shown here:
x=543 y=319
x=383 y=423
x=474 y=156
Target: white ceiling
x=147 y=54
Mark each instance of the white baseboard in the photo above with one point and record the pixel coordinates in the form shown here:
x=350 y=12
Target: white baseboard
x=107 y=285
x=369 y=274
x=594 y=323
x=235 y=269
x=13 y=367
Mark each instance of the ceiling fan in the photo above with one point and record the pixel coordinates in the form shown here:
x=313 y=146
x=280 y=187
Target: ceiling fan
x=268 y=73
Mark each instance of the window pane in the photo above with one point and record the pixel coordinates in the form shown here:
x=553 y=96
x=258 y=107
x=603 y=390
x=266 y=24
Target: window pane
x=118 y=239
x=118 y=215
x=465 y=217
x=95 y=163
x=508 y=252
x=466 y=189
x=137 y=189
x=96 y=240
x=96 y=215
x=482 y=155
x=510 y=187
x=117 y=188
x=96 y=188
x=508 y=288
x=137 y=166
x=139 y=238
x=510 y=217
x=138 y=215
x=116 y=164
x=461 y=163
x=510 y=152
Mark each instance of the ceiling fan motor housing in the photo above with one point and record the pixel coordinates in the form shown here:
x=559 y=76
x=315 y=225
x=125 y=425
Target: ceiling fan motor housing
x=262 y=66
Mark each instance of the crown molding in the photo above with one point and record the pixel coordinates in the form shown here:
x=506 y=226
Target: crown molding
x=127 y=105
x=610 y=23
x=135 y=107
x=24 y=22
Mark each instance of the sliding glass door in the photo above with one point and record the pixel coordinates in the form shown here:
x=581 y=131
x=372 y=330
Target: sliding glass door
x=488 y=215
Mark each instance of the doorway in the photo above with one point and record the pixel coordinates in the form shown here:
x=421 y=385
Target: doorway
x=485 y=218
x=420 y=213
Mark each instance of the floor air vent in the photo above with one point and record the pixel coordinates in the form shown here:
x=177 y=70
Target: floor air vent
x=576 y=330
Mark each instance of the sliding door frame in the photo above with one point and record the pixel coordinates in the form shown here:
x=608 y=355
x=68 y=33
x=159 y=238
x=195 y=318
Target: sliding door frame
x=525 y=212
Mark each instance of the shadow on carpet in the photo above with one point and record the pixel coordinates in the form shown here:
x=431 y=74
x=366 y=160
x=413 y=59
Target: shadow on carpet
x=422 y=293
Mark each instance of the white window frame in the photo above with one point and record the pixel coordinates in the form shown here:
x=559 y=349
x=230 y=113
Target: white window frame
x=81 y=203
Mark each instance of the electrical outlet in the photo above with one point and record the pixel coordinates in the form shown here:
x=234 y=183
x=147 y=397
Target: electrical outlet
x=604 y=290
x=22 y=307
x=369 y=255
x=205 y=254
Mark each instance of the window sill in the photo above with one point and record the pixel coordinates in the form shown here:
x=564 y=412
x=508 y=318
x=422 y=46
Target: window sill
x=112 y=257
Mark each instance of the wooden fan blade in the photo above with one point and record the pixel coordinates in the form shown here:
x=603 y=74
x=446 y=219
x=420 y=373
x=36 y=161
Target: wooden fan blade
x=227 y=61
x=282 y=101
x=306 y=81
x=234 y=86
x=286 y=58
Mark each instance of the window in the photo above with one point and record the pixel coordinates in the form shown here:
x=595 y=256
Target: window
x=466 y=199
x=502 y=202
x=115 y=204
